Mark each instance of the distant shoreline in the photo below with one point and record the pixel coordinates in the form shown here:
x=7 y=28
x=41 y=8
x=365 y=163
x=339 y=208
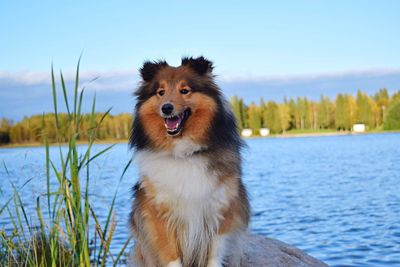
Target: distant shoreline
x=37 y=144
x=285 y=135
x=317 y=134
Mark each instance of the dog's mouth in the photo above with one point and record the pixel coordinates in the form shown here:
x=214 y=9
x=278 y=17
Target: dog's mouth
x=175 y=123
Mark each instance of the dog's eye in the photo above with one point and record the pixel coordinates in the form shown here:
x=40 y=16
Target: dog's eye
x=184 y=91
x=161 y=92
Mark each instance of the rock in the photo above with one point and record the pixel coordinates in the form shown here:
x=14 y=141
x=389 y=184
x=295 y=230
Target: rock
x=267 y=252
x=260 y=251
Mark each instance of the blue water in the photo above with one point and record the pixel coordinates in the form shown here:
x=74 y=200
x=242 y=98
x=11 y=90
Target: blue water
x=337 y=197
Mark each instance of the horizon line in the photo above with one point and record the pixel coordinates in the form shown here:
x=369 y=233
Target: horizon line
x=29 y=78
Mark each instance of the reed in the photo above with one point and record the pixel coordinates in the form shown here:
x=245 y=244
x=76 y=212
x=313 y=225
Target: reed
x=67 y=231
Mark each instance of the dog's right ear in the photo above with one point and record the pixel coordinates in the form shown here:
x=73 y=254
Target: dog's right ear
x=150 y=69
x=200 y=65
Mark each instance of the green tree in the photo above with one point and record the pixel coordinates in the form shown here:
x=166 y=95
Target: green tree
x=254 y=118
x=313 y=113
x=395 y=97
x=382 y=101
x=237 y=107
x=262 y=109
x=4 y=131
x=34 y=128
x=294 y=114
x=392 y=118
x=345 y=112
x=326 y=113
x=284 y=117
x=272 y=117
x=365 y=110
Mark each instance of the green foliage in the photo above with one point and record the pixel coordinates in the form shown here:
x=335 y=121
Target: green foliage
x=4 y=131
x=237 y=108
x=62 y=238
x=326 y=113
x=382 y=102
x=37 y=127
x=254 y=118
x=272 y=118
x=345 y=112
x=392 y=118
x=365 y=110
x=302 y=115
x=284 y=117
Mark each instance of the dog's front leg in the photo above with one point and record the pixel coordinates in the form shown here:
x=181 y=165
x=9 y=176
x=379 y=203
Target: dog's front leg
x=164 y=243
x=218 y=250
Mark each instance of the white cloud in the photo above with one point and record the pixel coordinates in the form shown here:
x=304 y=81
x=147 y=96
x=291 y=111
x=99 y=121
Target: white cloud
x=127 y=80
x=229 y=78
x=91 y=80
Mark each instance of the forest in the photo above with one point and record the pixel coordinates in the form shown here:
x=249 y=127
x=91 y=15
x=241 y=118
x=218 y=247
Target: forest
x=380 y=111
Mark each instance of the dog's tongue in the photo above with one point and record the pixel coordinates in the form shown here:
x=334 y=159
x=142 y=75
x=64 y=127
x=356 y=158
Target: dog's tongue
x=173 y=122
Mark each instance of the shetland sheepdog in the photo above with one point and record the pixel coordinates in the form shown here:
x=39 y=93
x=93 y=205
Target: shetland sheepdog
x=190 y=207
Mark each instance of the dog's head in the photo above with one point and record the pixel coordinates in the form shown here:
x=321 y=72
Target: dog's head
x=175 y=102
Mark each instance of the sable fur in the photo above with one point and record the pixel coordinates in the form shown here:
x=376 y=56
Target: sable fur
x=184 y=210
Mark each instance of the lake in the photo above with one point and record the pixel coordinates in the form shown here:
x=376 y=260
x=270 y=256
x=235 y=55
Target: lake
x=335 y=197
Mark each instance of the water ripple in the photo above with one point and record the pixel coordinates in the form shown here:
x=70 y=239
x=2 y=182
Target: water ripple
x=335 y=197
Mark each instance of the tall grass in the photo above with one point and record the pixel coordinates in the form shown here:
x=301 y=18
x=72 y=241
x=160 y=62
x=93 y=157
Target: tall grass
x=67 y=231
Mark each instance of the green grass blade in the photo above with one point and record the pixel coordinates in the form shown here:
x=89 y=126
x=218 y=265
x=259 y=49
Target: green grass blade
x=53 y=86
x=76 y=87
x=14 y=224
x=86 y=156
x=121 y=252
x=105 y=115
x=10 y=199
x=40 y=217
x=5 y=205
x=98 y=154
x=19 y=220
x=21 y=205
x=64 y=88
x=125 y=169
x=78 y=115
x=48 y=175
x=5 y=168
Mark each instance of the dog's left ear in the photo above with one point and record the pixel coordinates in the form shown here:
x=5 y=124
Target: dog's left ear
x=200 y=65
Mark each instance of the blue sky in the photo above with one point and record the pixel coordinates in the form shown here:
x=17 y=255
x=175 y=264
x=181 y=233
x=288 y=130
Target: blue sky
x=264 y=42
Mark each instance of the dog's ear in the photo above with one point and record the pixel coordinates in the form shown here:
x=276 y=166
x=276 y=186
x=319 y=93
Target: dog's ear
x=200 y=65
x=150 y=69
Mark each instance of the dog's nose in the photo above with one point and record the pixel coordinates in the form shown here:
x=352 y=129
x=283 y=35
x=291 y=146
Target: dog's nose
x=167 y=108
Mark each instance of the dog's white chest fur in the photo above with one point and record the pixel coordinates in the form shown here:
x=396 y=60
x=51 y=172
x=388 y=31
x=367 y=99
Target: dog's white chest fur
x=179 y=175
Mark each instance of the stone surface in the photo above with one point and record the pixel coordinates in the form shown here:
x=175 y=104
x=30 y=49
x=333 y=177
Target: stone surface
x=260 y=251
x=264 y=251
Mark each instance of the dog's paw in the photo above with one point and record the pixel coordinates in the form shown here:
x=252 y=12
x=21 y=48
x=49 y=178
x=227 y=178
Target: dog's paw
x=214 y=263
x=175 y=263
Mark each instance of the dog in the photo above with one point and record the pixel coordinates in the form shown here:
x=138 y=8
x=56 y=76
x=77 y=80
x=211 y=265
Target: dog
x=190 y=206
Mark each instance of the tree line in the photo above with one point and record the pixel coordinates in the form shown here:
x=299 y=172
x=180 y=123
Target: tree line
x=379 y=111
x=36 y=128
